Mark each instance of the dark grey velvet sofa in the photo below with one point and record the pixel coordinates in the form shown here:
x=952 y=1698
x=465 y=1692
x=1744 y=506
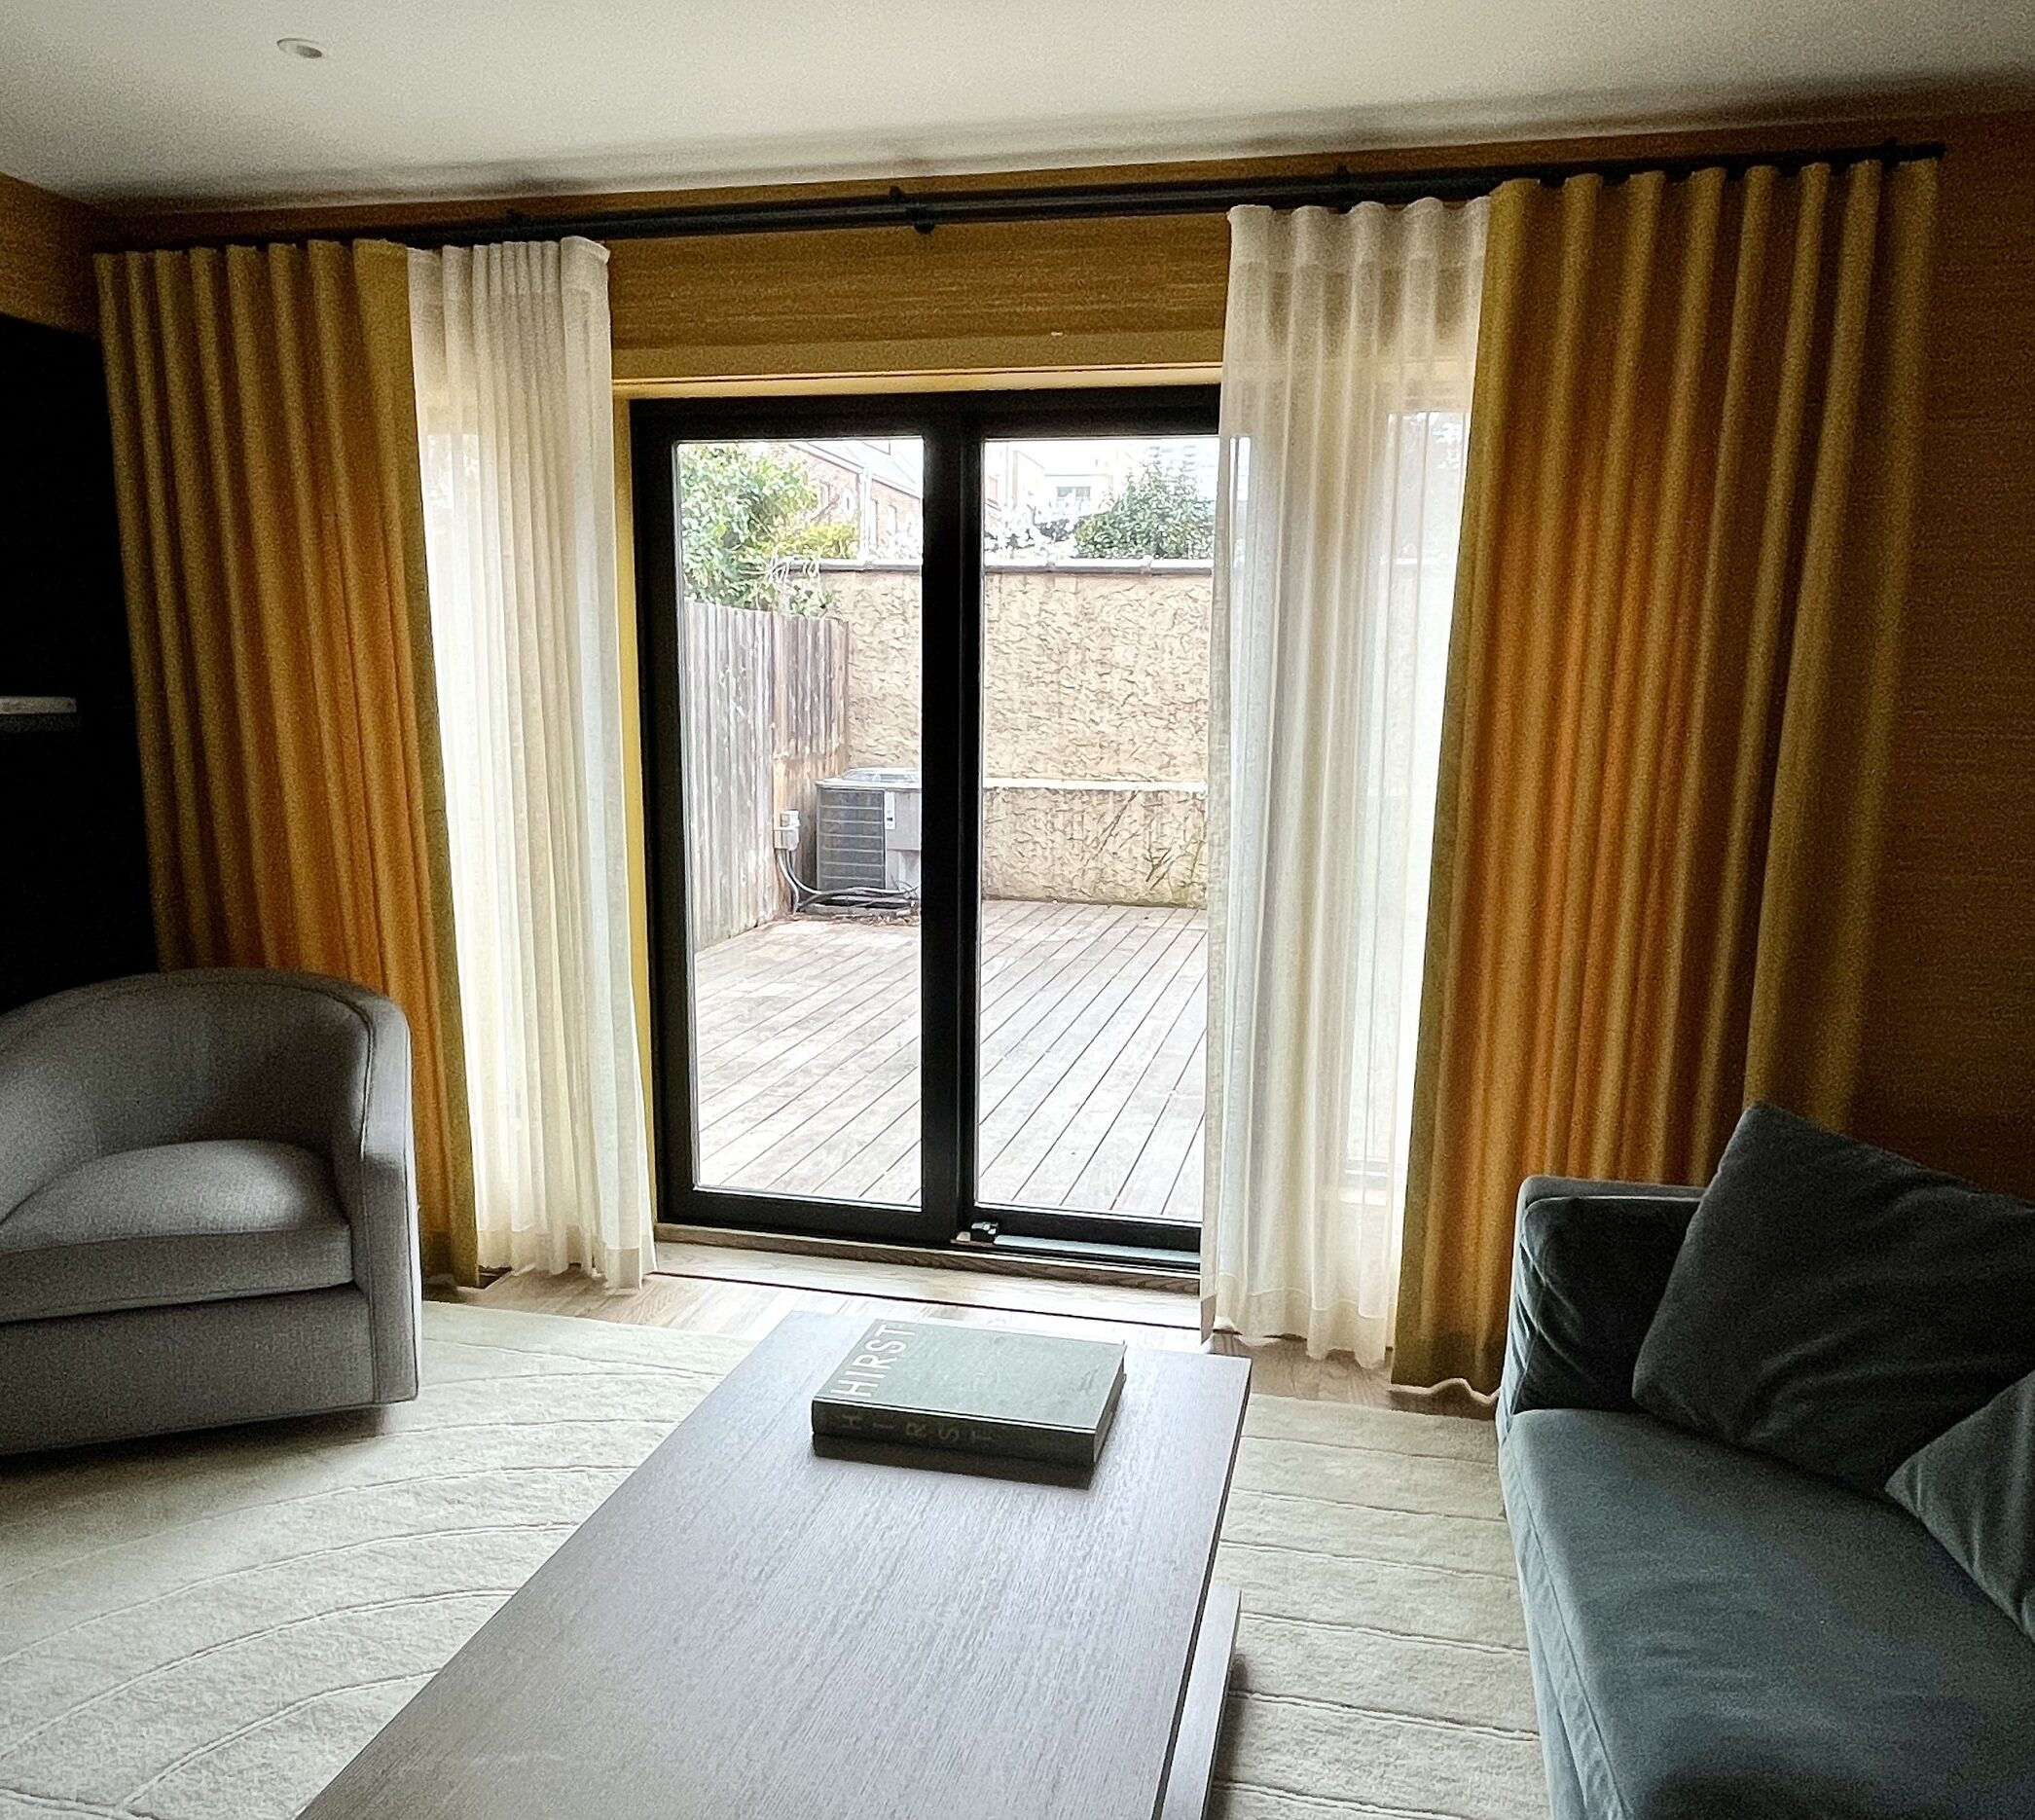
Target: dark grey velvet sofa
x=207 y=1206
x=1715 y=1635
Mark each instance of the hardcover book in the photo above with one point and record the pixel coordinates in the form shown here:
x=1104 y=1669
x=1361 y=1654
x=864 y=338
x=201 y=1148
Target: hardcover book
x=974 y=1390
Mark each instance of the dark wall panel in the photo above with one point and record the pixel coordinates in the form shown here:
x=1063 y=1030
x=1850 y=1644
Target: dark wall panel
x=73 y=866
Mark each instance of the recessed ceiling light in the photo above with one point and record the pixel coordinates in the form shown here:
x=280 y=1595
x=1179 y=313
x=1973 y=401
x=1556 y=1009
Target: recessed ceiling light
x=300 y=47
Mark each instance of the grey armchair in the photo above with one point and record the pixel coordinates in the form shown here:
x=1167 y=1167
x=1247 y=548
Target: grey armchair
x=207 y=1206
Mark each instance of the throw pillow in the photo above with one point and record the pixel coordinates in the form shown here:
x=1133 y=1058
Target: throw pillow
x=1973 y=1488
x=1837 y=1306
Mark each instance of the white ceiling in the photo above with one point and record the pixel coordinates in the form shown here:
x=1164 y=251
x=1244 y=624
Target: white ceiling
x=126 y=100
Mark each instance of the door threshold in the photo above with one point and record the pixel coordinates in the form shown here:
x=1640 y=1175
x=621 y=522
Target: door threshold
x=999 y=1260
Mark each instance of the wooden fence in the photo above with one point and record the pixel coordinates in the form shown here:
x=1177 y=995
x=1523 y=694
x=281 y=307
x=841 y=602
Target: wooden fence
x=765 y=717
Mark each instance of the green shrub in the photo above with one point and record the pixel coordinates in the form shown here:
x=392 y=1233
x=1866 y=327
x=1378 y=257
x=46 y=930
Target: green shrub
x=751 y=529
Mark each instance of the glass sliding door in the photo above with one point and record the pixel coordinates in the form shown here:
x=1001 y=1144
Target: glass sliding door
x=1091 y=1060
x=781 y=651
x=924 y=689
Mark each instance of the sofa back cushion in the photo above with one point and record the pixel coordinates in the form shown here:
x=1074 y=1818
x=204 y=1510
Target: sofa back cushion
x=1973 y=1488
x=1836 y=1306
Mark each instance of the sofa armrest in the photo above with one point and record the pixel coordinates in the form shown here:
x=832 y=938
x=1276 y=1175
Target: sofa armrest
x=1590 y=1262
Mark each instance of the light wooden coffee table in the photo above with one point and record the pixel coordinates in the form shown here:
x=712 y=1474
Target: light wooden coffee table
x=756 y=1627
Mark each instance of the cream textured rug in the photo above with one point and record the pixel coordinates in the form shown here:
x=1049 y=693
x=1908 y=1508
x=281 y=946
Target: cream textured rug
x=206 y=1629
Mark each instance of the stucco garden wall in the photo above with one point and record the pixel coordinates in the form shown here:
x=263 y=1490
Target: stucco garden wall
x=881 y=604
x=1095 y=719
x=1095 y=842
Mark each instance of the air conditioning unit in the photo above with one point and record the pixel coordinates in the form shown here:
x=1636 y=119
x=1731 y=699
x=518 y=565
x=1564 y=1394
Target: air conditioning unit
x=868 y=832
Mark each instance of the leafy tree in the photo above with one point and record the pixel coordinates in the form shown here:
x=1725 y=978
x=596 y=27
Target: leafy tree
x=752 y=528
x=1160 y=513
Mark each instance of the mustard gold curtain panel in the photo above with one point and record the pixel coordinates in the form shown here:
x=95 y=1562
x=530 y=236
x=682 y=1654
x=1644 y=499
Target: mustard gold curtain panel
x=265 y=448
x=1688 y=506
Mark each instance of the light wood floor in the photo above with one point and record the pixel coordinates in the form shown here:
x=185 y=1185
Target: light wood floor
x=1093 y=1019
x=742 y=1294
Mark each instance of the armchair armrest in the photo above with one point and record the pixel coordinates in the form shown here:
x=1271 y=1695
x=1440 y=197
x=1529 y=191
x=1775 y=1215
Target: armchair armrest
x=372 y=1152
x=44 y=1131
x=1590 y=1262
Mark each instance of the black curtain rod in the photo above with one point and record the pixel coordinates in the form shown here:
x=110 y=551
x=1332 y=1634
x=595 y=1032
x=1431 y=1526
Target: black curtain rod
x=927 y=209
x=924 y=210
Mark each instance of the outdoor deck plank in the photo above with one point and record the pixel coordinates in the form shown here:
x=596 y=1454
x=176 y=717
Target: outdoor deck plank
x=1066 y=1021
x=1092 y=1020
x=1174 y=1072
x=1050 y=1097
x=1184 y=1201
x=1102 y=1106
x=1174 y=1136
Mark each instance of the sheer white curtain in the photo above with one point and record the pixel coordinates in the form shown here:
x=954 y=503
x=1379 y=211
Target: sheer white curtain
x=515 y=421
x=1346 y=366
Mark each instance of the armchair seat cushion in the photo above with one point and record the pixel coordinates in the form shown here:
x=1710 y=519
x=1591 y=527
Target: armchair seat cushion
x=175 y=1223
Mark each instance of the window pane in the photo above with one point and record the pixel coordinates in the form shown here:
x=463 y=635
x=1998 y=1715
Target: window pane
x=800 y=699
x=1096 y=597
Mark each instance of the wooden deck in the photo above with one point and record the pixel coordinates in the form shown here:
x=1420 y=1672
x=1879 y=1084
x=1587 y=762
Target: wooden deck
x=1093 y=1020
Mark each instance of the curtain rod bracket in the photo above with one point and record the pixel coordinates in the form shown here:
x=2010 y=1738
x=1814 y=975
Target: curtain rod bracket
x=919 y=220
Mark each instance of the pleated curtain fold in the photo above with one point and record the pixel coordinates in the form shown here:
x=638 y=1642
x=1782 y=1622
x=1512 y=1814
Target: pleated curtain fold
x=516 y=411
x=1347 y=357
x=265 y=451
x=1676 y=639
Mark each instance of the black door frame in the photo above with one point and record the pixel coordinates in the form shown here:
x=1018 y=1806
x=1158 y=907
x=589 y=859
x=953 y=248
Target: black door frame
x=953 y=428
